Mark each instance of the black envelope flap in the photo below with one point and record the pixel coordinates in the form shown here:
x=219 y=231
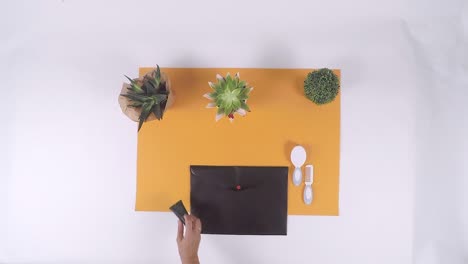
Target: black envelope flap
x=240 y=200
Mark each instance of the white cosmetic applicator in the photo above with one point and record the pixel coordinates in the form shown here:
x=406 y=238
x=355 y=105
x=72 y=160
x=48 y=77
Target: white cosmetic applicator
x=298 y=158
x=309 y=179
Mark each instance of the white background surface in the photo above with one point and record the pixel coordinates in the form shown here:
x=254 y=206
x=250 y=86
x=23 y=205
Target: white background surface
x=67 y=182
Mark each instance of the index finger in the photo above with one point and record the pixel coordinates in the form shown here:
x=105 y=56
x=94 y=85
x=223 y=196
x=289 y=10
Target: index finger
x=188 y=222
x=198 y=226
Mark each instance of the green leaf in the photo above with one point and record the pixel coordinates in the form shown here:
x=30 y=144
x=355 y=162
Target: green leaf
x=226 y=104
x=237 y=91
x=245 y=91
x=218 y=101
x=156 y=83
x=130 y=79
x=134 y=86
x=136 y=97
x=150 y=88
x=136 y=104
x=228 y=110
x=158 y=73
x=145 y=111
x=164 y=92
x=159 y=98
x=236 y=104
x=138 y=89
x=245 y=106
x=157 y=111
x=243 y=97
x=220 y=110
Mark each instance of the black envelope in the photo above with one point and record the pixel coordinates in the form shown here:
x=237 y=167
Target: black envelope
x=240 y=200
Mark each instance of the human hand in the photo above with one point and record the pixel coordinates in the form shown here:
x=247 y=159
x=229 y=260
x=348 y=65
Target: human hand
x=188 y=244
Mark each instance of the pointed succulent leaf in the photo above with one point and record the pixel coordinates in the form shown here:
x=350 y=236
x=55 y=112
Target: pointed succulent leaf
x=245 y=106
x=245 y=91
x=160 y=98
x=219 y=116
x=241 y=112
x=218 y=102
x=226 y=103
x=145 y=111
x=136 y=88
x=150 y=88
x=243 y=97
x=157 y=111
x=157 y=75
x=228 y=110
x=136 y=104
x=208 y=96
x=136 y=97
x=132 y=92
x=211 y=105
x=236 y=105
x=130 y=79
x=155 y=84
x=237 y=91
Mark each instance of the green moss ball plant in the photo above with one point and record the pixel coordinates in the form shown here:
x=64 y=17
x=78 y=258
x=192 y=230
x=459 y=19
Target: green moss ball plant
x=321 y=86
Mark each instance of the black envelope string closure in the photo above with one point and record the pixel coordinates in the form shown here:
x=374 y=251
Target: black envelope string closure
x=240 y=200
x=179 y=210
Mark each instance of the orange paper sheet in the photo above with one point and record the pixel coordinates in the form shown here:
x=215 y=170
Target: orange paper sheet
x=281 y=118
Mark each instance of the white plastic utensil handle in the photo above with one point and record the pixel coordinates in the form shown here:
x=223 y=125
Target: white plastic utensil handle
x=297 y=176
x=308 y=195
x=309 y=179
x=309 y=171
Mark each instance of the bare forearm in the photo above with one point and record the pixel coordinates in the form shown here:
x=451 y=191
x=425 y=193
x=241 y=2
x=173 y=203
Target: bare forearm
x=193 y=260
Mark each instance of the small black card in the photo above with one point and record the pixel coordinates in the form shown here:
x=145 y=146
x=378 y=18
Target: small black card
x=179 y=210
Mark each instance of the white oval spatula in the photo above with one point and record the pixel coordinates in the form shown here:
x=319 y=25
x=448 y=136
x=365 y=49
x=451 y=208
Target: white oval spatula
x=298 y=158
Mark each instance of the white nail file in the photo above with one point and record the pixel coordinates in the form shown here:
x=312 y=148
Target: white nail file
x=298 y=158
x=309 y=179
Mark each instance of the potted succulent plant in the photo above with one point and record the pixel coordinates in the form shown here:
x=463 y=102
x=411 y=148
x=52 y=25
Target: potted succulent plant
x=229 y=96
x=146 y=98
x=321 y=86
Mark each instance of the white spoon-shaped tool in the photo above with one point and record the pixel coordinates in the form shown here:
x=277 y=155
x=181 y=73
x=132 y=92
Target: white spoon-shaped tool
x=298 y=158
x=309 y=179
